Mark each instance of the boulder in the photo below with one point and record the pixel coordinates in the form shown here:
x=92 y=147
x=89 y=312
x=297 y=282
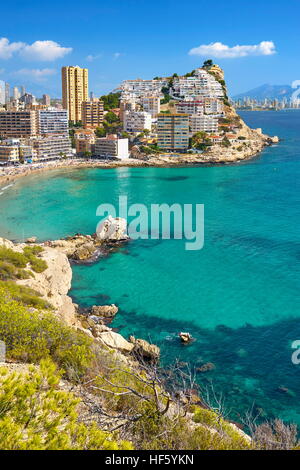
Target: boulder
x=98 y=329
x=185 y=337
x=145 y=350
x=31 y=240
x=85 y=251
x=112 y=229
x=106 y=311
x=115 y=341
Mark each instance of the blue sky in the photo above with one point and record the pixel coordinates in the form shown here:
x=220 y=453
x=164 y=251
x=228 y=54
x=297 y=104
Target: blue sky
x=137 y=38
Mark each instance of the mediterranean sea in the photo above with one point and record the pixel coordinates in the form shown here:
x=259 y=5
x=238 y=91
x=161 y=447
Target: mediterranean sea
x=239 y=296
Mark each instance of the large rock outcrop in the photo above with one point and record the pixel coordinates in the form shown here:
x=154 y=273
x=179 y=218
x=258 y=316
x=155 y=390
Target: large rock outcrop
x=112 y=229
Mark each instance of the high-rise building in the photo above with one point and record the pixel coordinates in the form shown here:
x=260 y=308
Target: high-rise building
x=173 y=131
x=203 y=123
x=52 y=121
x=136 y=121
x=92 y=113
x=2 y=92
x=46 y=100
x=151 y=104
x=74 y=90
x=16 y=93
x=7 y=93
x=52 y=146
x=18 y=123
x=23 y=90
x=28 y=99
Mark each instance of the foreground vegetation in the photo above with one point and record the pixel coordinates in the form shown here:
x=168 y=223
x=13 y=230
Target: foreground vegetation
x=130 y=403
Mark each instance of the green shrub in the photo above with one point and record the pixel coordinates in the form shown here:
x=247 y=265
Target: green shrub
x=24 y=295
x=37 y=264
x=33 y=335
x=9 y=271
x=20 y=260
x=36 y=415
x=33 y=250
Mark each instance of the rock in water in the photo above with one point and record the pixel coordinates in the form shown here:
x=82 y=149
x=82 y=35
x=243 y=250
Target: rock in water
x=112 y=229
x=106 y=311
x=185 y=337
x=31 y=240
x=84 y=252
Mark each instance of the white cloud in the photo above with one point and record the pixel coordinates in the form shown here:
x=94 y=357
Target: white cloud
x=35 y=75
x=44 y=50
x=39 y=50
x=117 y=55
x=92 y=57
x=221 y=51
x=7 y=49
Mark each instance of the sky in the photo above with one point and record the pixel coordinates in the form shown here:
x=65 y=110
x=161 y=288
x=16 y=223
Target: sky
x=254 y=42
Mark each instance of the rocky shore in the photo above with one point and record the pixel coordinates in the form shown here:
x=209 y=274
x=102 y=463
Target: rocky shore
x=54 y=284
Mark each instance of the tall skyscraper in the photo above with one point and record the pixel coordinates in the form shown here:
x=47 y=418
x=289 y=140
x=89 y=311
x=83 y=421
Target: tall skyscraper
x=92 y=113
x=2 y=92
x=74 y=90
x=46 y=100
x=23 y=91
x=16 y=93
x=7 y=93
x=173 y=131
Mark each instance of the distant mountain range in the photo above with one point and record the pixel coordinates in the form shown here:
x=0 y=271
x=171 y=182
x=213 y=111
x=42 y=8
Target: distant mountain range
x=267 y=91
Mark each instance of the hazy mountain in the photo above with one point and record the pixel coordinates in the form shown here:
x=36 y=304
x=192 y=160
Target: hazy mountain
x=267 y=91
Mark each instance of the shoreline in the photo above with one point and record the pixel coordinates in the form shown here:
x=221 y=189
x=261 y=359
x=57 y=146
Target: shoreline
x=8 y=175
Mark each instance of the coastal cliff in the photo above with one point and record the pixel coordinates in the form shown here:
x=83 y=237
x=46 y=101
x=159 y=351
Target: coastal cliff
x=118 y=367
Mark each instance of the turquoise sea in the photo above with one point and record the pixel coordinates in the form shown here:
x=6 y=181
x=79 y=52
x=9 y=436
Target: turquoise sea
x=238 y=296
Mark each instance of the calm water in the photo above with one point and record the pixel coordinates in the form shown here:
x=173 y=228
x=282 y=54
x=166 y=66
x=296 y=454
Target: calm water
x=238 y=296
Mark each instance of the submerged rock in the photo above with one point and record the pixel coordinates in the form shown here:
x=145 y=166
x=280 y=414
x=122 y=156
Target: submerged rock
x=206 y=367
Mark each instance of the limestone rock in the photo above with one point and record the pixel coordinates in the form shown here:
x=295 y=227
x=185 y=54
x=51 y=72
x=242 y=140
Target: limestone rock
x=98 y=329
x=31 y=240
x=54 y=283
x=106 y=311
x=115 y=341
x=112 y=229
x=85 y=251
x=185 y=337
x=145 y=350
